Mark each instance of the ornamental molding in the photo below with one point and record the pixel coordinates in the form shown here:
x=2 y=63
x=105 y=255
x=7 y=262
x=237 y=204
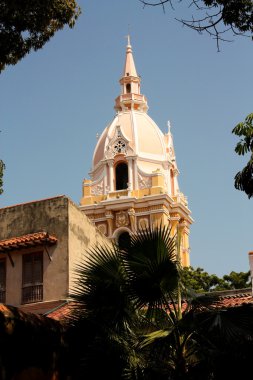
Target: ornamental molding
x=171 y=153
x=157 y=207
x=175 y=171
x=152 y=159
x=119 y=231
x=109 y=214
x=154 y=172
x=93 y=175
x=142 y=209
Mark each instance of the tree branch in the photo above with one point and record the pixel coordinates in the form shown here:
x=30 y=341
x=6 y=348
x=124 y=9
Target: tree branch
x=236 y=17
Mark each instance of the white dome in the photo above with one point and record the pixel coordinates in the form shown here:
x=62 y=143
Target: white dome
x=140 y=132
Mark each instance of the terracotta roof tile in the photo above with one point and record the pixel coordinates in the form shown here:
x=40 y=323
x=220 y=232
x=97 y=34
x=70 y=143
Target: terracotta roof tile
x=61 y=309
x=11 y=312
x=26 y=241
x=60 y=313
x=226 y=301
x=233 y=301
x=42 y=308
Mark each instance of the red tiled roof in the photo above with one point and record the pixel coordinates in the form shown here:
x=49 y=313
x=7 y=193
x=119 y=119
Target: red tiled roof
x=11 y=312
x=60 y=313
x=224 y=300
x=26 y=241
x=43 y=308
x=234 y=300
x=61 y=309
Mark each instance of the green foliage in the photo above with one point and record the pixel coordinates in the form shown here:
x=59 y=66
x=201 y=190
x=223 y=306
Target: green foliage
x=244 y=178
x=151 y=255
x=202 y=282
x=28 y=25
x=2 y=167
x=238 y=280
x=238 y=14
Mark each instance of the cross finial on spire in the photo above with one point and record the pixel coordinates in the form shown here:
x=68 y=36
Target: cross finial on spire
x=128 y=40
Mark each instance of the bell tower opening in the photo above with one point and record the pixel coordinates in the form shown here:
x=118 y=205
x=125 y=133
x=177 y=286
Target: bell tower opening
x=128 y=88
x=121 y=172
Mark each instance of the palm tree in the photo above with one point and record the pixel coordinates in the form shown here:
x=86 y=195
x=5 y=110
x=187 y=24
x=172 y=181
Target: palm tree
x=152 y=265
x=103 y=320
x=134 y=319
x=123 y=293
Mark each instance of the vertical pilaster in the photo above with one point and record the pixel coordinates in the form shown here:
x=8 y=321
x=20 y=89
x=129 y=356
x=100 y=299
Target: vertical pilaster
x=109 y=217
x=130 y=173
x=131 y=213
x=184 y=249
x=135 y=174
x=110 y=164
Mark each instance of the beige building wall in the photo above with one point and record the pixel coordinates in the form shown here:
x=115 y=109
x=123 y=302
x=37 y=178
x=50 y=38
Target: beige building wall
x=75 y=234
x=83 y=236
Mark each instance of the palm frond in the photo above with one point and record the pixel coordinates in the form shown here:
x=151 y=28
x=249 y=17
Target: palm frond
x=99 y=289
x=151 y=267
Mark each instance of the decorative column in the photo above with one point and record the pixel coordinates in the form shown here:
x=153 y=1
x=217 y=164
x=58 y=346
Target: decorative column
x=174 y=220
x=130 y=173
x=184 y=247
x=135 y=174
x=110 y=164
x=109 y=217
x=105 y=187
x=131 y=213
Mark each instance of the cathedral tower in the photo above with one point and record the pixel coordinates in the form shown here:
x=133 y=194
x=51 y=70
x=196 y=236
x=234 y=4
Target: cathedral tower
x=134 y=173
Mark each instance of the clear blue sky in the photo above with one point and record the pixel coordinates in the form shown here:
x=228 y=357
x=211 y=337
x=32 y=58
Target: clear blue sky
x=55 y=101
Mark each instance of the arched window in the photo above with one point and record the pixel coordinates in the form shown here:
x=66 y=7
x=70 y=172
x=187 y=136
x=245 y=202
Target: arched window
x=121 y=176
x=128 y=88
x=124 y=240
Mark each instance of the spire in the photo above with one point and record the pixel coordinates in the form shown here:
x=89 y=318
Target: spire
x=130 y=97
x=129 y=69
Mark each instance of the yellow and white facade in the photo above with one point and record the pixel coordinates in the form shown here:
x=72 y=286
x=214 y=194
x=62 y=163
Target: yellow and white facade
x=134 y=173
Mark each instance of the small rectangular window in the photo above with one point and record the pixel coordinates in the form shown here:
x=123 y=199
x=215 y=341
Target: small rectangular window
x=2 y=280
x=32 y=280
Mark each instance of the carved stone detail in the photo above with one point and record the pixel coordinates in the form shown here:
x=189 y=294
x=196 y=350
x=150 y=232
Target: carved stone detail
x=143 y=223
x=144 y=182
x=109 y=214
x=102 y=228
x=98 y=189
x=122 y=219
x=119 y=146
